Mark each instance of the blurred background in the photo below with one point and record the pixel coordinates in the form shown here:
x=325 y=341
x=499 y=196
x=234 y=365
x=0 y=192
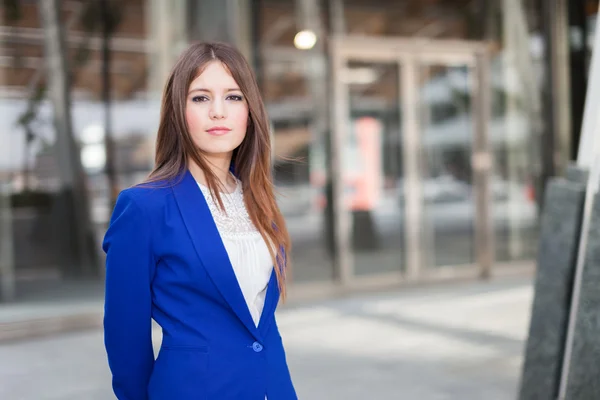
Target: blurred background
x=412 y=143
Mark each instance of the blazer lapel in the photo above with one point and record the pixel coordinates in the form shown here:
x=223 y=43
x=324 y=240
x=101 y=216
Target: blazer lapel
x=209 y=246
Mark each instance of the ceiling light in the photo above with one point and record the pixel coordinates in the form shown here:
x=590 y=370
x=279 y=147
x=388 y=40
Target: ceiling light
x=305 y=40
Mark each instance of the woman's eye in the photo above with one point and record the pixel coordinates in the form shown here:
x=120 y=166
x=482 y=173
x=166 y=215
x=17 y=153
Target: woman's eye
x=198 y=99
x=235 y=97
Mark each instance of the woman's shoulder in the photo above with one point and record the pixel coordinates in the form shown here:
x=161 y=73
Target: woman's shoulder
x=147 y=195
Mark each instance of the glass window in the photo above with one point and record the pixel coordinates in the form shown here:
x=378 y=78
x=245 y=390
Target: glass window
x=517 y=70
x=294 y=87
x=52 y=205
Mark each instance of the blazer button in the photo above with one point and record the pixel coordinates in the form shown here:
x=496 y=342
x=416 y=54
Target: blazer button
x=257 y=347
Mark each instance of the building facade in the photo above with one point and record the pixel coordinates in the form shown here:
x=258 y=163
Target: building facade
x=412 y=139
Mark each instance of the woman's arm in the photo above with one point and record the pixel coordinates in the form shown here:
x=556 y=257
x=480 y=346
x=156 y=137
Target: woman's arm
x=127 y=307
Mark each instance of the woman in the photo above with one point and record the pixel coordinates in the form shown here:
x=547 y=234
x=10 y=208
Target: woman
x=200 y=247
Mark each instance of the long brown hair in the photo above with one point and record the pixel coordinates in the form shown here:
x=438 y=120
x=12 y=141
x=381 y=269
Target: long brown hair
x=251 y=161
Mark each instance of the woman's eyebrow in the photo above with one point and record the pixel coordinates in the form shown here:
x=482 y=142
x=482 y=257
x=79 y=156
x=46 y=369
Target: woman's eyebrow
x=209 y=91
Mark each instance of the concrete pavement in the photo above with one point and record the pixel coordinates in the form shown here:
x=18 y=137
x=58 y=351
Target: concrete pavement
x=459 y=341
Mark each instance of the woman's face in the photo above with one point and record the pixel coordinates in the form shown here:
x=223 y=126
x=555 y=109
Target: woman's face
x=216 y=113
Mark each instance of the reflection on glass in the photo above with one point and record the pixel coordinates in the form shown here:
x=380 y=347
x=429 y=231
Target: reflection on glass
x=294 y=87
x=446 y=123
x=303 y=205
x=295 y=106
x=517 y=76
x=514 y=120
x=410 y=18
x=372 y=167
x=30 y=163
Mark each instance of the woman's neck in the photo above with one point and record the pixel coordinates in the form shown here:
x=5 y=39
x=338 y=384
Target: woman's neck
x=219 y=167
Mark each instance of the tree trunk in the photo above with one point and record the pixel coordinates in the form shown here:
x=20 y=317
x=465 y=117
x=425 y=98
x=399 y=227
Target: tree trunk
x=77 y=235
x=7 y=260
x=107 y=15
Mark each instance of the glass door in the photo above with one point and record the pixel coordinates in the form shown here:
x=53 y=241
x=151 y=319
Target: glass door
x=446 y=125
x=410 y=140
x=371 y=154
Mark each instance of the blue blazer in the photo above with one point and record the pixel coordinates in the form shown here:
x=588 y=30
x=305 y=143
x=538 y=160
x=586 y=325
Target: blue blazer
x=165 y=261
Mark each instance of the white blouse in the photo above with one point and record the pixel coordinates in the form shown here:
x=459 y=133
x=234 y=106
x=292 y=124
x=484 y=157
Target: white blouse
x=247 y=251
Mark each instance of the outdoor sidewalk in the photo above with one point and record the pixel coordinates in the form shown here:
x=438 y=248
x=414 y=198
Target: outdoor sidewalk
x=453 y=341
x=46 y=309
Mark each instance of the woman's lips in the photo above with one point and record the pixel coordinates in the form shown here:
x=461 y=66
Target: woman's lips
x=218 y=130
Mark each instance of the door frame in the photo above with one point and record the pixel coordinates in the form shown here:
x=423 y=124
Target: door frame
x=408 y=55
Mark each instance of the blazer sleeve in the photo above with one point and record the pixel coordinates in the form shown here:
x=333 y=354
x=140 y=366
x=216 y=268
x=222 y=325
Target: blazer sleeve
x=127 y=305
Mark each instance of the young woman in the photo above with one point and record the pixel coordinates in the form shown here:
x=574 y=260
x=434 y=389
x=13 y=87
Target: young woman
x=200 y=247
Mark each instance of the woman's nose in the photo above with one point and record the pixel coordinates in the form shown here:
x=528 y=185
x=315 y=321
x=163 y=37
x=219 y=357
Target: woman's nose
x=217 y=110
